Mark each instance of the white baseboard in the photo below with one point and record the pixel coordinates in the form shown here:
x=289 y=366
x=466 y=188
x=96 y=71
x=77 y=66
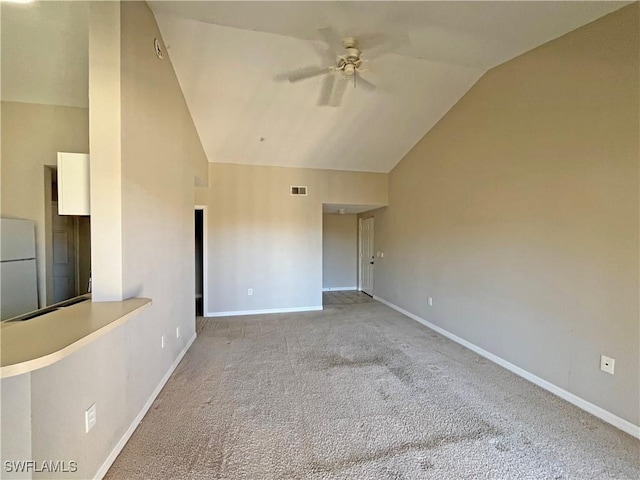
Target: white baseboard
x=589 y=407
x=339 y=289
x=235 y=313
x=102 y=471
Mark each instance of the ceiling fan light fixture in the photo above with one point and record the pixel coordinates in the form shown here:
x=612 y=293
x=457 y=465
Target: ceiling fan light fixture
x=349 y=42
x=349 y=64
x=353 y=54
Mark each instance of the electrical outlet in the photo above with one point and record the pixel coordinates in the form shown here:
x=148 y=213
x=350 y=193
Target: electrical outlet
x=250 y=291
x=607 y=364
x=177 y=332
x=162 y=341
x=430 y=301
x=90 y=418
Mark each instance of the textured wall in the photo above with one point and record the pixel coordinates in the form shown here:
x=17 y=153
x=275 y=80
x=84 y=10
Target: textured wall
x=339 y=251
x=161 y=155
x=16 y=421
x=518 y=214
x=261 y=237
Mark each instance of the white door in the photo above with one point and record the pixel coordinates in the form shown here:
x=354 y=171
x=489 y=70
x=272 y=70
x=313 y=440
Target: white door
x=64 y=256
x=367 y=256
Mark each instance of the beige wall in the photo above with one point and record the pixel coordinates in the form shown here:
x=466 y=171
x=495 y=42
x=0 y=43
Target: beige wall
x=518 y=214
x=16 y=421
x=117 y=372
x=105 y=113
x=262 y=238
x=161 y=156
x=31 y=137
x=339 y=251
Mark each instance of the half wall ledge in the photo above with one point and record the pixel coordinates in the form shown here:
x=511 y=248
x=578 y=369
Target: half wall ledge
x=28 y=345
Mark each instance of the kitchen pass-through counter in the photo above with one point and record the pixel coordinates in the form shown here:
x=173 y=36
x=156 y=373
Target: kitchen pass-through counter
x=38 y=342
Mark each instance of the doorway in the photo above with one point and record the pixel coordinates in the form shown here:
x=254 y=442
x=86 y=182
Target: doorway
x=200 y=260
x=68 y=247
x=367 y=256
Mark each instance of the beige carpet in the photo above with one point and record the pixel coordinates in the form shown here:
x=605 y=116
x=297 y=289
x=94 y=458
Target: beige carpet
x=345 y=297
x=359 y=392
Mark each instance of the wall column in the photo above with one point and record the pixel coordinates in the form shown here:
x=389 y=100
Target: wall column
x=105 y=140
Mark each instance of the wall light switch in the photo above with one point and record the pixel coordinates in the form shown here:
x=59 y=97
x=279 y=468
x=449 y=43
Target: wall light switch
x=250 y=291
x=430 y=301
x=177 y=332
x=90 y=418
x=162 y=341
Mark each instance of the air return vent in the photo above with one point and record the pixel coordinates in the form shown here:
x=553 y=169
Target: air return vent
x=299 y=191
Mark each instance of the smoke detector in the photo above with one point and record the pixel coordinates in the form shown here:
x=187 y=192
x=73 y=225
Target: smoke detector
x=158 y=48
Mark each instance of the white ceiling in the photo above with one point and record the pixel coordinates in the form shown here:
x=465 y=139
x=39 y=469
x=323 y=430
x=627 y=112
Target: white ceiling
x=228 y=55
x=45 y=54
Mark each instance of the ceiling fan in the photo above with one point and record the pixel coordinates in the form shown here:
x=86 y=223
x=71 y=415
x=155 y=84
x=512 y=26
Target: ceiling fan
x=343 y=64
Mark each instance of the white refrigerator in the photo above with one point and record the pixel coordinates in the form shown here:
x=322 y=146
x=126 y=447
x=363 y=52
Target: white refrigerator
x=18 y=273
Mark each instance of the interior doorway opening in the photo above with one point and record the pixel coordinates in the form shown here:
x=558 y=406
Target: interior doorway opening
x=199 y=260
x=366 y=258
x=67 y=247
x=344 y=274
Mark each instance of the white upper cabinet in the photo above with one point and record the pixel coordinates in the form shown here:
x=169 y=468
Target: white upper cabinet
x=73 y=184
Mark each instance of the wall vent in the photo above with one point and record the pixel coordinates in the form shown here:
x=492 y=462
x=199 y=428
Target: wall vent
x=298 y=191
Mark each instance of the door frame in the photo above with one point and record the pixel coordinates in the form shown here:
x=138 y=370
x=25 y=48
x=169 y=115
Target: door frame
x=360 y=249
x=205 y=259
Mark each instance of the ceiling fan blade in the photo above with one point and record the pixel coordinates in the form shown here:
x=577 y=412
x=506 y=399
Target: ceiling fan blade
x=308 y=72
x=332 y=38
x=328 y=57
x=327 y=90
x=338 y=92
x=364 y=83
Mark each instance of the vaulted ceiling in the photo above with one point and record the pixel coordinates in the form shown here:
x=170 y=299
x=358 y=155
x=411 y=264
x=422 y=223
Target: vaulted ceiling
x=230 y=57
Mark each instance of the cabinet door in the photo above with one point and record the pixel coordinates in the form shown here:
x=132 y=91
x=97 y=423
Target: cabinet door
x=73 y=184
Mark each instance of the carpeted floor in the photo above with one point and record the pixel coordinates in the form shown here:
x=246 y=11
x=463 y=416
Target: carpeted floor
x=359 y=392
x=345 y=297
